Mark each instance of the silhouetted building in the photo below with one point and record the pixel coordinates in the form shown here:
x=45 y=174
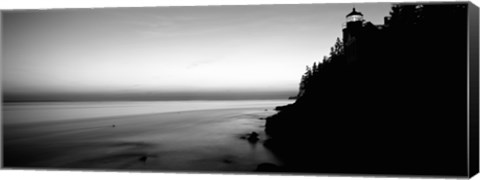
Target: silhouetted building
x=360 y=37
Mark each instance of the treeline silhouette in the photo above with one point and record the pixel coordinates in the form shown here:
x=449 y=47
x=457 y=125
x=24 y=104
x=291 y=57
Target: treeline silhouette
x=399 y=108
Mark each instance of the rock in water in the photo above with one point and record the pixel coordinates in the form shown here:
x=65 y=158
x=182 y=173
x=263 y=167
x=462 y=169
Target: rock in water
x=253 y=137
x=143 y=158
x=268 y=167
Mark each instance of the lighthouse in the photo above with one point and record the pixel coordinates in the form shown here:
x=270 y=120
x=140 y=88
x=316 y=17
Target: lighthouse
x=352 y=34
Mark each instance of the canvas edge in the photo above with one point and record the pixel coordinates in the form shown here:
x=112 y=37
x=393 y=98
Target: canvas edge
x=473 y=88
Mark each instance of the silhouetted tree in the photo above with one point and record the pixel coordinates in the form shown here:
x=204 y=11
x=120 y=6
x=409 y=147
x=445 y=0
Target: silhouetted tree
x=405 y=88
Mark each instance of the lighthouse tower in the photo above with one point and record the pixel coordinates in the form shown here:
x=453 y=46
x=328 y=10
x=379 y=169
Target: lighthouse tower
x=352 y=34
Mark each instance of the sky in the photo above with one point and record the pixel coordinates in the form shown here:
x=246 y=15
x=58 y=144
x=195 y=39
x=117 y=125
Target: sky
x=190 y=52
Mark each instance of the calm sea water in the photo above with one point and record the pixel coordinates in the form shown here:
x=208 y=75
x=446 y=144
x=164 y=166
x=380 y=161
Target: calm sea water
x=161 y=135
x=55 y=111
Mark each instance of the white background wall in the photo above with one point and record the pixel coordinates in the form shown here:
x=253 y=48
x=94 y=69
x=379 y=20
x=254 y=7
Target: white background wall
x=81 y=175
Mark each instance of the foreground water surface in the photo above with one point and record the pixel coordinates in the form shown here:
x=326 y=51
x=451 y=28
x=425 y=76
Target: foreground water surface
x=156 y=135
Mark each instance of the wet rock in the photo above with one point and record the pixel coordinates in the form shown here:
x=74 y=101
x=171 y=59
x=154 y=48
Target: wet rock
x=227 y=161
x=268 y=167
x=143 y=158
x=253 y=137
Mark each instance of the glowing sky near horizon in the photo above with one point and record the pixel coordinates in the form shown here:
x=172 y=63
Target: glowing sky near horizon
x=198 y=49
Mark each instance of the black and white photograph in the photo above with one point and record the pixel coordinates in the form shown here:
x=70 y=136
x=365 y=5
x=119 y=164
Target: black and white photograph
x=369 y=89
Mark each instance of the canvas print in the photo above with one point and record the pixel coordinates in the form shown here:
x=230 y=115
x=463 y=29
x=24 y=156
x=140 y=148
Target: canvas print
x=352 y=88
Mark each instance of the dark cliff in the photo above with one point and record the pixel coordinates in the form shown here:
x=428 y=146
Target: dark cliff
x=393 y=104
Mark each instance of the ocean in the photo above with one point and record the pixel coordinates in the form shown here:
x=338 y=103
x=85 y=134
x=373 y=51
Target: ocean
x=137 y=135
